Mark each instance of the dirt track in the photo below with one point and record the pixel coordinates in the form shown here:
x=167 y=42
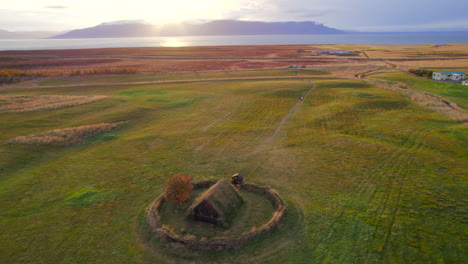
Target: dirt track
x=269 y=141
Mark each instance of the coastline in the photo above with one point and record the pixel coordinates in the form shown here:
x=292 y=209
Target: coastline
x=438 y=38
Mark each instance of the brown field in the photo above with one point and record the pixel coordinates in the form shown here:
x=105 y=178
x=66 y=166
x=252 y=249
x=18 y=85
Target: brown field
x=65 y=137
x=31 y=103
x=146 y=65
x=192 y=59
x=417 y=51
x=458 y=63
x=405 y=51
x=38 y=63
x=213 y=51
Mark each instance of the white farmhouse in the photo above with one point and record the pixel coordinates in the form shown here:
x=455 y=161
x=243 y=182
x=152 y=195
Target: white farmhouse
x=448 y=75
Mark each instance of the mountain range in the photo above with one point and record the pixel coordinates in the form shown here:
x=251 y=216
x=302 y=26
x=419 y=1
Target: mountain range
x=124 y=29
x=27 y=34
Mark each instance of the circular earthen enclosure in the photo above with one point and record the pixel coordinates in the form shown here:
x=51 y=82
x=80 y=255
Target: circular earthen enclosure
x=224 y=243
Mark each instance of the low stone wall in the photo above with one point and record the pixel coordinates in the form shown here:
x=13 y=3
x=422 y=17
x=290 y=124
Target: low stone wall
x=220 y=243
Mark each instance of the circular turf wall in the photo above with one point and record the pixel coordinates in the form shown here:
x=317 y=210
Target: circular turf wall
x=219 y=243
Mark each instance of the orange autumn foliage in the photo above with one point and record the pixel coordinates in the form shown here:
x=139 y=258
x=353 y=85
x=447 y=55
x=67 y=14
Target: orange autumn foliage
x=178 y=188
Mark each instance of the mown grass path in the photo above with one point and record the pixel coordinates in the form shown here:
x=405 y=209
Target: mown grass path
x=269 y=141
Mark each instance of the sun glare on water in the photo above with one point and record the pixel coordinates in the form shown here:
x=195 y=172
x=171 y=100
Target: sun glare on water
x=173 y=42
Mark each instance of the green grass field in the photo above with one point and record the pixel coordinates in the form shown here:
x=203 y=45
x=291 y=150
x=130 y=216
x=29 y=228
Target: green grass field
x=368 y=175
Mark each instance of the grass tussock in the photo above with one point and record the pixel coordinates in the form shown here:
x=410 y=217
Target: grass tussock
x=67 y=136
x=31 y=103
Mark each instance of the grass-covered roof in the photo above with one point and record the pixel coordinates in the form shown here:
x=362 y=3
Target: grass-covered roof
x=223 y=197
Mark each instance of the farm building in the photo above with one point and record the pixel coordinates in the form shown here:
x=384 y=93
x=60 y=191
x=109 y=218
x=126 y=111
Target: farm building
x=217 y=205
x=448 y=75
x=333 y=52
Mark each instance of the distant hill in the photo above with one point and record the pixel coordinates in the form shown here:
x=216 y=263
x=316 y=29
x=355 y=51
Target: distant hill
x=212 y=28
x=27 y=34
x=6 y=34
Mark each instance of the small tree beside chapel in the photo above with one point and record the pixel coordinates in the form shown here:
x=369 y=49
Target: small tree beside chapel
x=178 y=188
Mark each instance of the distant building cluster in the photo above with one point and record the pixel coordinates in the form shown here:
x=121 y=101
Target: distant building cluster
x=453 y=76
x=296 y=66
x=333 y=52
x=448 y=75
x=328 y=52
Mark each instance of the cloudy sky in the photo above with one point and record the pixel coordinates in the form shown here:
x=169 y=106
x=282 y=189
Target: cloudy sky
x=360 y=15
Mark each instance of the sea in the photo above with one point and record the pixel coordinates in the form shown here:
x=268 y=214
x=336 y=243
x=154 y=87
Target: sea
x=436 y=38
